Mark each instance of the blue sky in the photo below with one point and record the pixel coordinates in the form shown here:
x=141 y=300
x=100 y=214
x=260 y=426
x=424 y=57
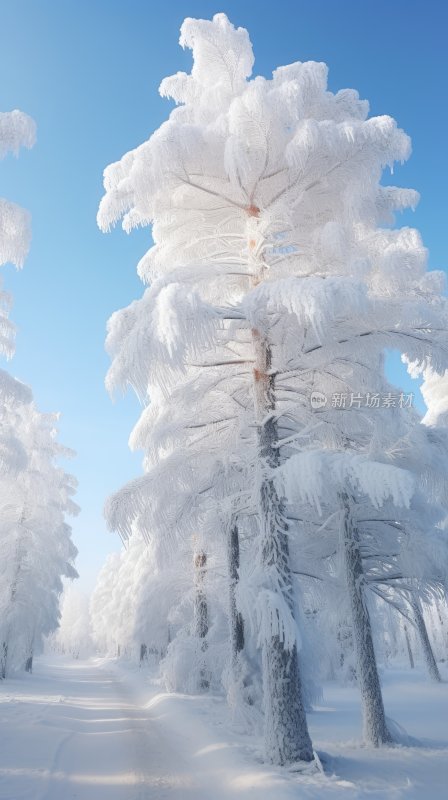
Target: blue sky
x=88 y=72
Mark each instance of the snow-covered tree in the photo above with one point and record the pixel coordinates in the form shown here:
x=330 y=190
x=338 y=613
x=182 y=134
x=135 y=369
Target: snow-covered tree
x=435 y=393
x=16 y=130
x=272 y=277
x=132 y=603
x=36 y=540
x=35 y=494
x=103 y=616
x=73 y=634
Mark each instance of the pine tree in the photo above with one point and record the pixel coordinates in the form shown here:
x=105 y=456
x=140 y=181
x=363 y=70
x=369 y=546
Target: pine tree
x=35 y=494
x=271 y=277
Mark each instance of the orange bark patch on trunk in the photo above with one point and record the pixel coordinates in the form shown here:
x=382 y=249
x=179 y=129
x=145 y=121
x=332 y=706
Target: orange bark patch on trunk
x=253 y=211
x=259 y=375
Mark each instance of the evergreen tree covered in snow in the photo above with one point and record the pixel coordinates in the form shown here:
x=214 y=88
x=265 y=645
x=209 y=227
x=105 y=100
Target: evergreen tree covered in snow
x=35 y=494
x=36 y=540
x=73 y=636
x=435 y=394
x=16 y=130
x=274 y=275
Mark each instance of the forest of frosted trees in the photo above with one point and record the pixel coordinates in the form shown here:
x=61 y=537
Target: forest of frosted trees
x=289 y=524
x=289 y=527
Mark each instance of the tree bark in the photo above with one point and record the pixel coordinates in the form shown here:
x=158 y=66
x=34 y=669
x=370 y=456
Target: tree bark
x=286 y=735
x=422 y=631
x=442 y=624
x=201 y=614
x=4 y=660
x=286 y=731
x=13 y=593
x=236 y=619
x=374 y=719
x=408 y=645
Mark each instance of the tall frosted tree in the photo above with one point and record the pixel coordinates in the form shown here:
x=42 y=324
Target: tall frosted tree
x=435 y=394
x=16 y=130
x=36 y=539
x=35 y=493
x=73 y=635
x=272 y=275
x=373 y=532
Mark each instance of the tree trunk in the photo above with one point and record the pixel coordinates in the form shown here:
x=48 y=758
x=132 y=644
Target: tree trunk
x=428 y=654
x=286 y=732
x=442 y=625
x=408 y=645
x=201 y=614
x=4 y=660
x=143 y=653
x=20 y=552
x=346 y=652
x=236 y=619
x=374 y=719
x=29 y=663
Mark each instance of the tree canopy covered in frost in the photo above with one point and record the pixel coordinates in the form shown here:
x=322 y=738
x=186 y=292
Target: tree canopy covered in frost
x=16 y=130
x=275 y=273
x=73 y=635
x=35 y=493
x=435 y=393
x=35 y=497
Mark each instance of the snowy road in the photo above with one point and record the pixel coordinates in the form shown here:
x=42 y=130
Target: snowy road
x=88 y=730
x=72 y=732
x=77 y=729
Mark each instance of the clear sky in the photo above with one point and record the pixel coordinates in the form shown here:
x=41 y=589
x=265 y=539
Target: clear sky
x=88 y=72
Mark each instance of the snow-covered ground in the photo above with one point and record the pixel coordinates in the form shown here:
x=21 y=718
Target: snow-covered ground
x=93 y=731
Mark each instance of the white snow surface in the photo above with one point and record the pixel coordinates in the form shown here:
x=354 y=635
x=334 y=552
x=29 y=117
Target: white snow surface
x=93 y=730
